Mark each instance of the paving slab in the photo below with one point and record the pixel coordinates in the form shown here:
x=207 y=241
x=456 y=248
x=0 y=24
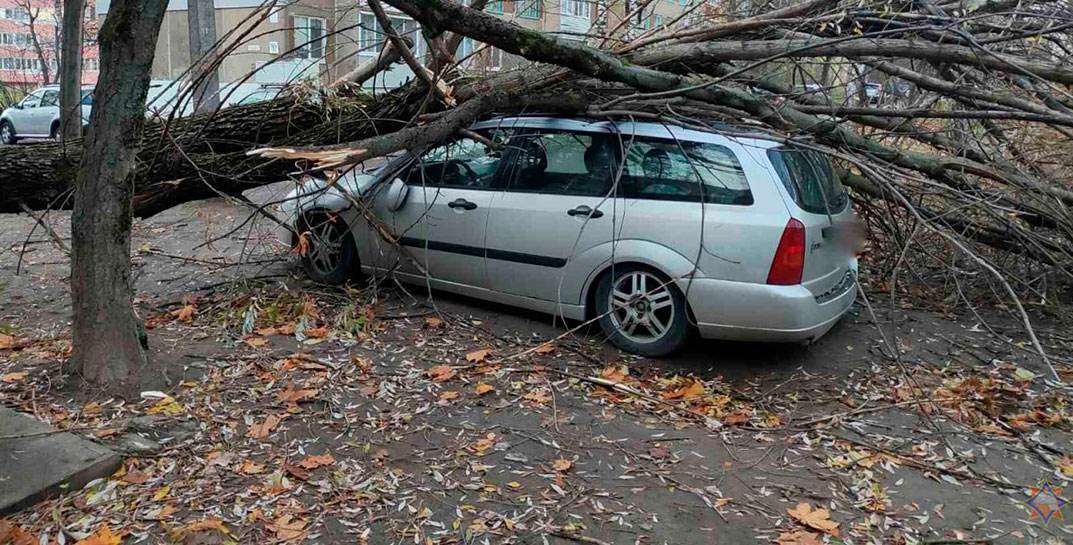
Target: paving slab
x=37 y=461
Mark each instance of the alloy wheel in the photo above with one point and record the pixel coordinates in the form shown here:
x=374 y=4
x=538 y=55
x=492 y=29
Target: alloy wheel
x=6 y=135
x=642 y=307
x=325 y=246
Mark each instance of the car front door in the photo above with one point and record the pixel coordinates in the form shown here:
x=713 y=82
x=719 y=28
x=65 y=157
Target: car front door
x=442 y=223
x=25 y=120
x=556 y=204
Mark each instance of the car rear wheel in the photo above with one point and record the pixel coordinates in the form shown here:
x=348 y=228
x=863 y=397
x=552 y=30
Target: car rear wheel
x=641 y=311
x=329 y=256
x=7 y=133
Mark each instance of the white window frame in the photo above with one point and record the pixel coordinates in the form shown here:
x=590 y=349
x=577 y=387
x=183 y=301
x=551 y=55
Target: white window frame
x=577 y=8
x=273 y=48
x=370 y=40
x=305 y=50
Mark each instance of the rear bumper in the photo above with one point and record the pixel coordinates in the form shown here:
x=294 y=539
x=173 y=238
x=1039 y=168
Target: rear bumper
x=741 y=311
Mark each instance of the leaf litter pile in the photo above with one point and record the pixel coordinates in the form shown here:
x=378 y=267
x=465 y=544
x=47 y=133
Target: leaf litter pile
x=351 y=417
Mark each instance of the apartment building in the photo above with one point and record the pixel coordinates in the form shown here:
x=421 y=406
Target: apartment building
x=273 y=43
x=29 y=39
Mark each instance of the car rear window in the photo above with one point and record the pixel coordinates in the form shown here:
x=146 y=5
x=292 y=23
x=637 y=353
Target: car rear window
x=810 y=179
x=684 y=171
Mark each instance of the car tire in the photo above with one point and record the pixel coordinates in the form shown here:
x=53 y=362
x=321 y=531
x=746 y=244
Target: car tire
x=7 y=134
x=54 y=132
x=647 y=315
x=331 y=257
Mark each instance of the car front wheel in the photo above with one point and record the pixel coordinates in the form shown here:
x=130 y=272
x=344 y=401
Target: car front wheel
x=641 y=311
x=329 y=255
x=7 y=133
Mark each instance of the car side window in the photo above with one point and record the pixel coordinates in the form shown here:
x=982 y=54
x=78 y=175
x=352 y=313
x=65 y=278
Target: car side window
x=677 y=170
x=561 y=163
x=464 y=163
x=32 y=101
x=50 y=98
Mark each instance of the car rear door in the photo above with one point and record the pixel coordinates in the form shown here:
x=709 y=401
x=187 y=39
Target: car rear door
x=555 y=205
x=442 y=223
x=26 y=119
x=819 y=201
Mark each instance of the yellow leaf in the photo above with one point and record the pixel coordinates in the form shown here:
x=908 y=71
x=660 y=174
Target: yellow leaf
x=693 y=389
x=562 y=465
x=1065 y=465
x=817 y=519
x=102 y=536
x=13 y=377
x=478 y=355
x=798 y=537
x=6 y=341
x=514 y=485
x=483 y=388
x=162 y=493
x=449 y=395
x=166 y=405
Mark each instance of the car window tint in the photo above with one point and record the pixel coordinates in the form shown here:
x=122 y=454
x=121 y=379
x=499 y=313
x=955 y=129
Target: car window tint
x=810 y=180
x=32 y=101
x=464 y=163
x=50 y=98
x=561 y=163
x=684 y=171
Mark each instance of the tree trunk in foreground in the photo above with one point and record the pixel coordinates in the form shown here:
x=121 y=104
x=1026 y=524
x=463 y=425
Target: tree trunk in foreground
x=71 y=71
x=107 y=339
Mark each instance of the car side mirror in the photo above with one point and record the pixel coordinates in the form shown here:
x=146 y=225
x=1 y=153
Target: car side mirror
x=396 y=194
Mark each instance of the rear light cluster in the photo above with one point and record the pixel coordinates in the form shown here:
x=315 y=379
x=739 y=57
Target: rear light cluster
x=789 y=262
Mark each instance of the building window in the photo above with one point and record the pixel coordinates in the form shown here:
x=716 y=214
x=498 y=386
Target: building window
x=91 y=64
x=371 y=36
x=15 y=14
x=577 y=8
x=309 y=37
x=274 y=16
x=273 y=48
x=659 y=21
x=530 y=9
x=495 y=6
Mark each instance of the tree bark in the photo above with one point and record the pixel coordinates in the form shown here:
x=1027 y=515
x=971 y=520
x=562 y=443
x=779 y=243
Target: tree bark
x=71 y=71
x=108 y=339
x=201 y=26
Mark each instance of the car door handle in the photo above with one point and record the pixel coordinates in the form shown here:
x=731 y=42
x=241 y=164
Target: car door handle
x=585 y=211
x=462 y=203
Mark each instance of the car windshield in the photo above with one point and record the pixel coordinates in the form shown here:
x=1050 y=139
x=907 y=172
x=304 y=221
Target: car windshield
x=810 y=179
x=87 y=97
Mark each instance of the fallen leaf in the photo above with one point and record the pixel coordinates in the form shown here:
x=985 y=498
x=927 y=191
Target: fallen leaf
x=1065 y=465
x=167 y=406
x=449 y=395
x=6 y=341
x=316 y=332
x=289 y=528
x=262 y=430
x=545 y=348
x=798 y=537
x=562 y=465
x=256 y=342
x=162 y=493
x=737 y=417
x=440 y=373
x=10 y=534
x=817 y=519
x=318 y=460
x=541 y=397
x=13 y=377
x=659 y=452
x=433 y=322
x=615 y=373
x=478 y=355
x=249 y=467
x=103 y=536
x=135 y=477
x=290 y=394
x=483 y=388
x=483 y=444
x=185 y=314
x=297 y=472
x=694 y=389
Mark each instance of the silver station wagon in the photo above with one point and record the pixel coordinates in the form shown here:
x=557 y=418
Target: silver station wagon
x=650 y=229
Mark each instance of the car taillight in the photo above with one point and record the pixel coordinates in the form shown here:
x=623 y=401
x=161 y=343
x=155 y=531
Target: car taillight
x=789 y=260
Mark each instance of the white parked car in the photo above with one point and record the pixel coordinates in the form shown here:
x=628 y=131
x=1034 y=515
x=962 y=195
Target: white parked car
x=38 y=115
x=655 y=230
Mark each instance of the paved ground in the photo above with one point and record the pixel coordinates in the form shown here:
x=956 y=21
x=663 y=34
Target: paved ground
x=334 y=417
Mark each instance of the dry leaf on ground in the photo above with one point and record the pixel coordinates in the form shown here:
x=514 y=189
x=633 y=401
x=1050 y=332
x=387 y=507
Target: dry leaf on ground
x=264 y=429
x=817 y=519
